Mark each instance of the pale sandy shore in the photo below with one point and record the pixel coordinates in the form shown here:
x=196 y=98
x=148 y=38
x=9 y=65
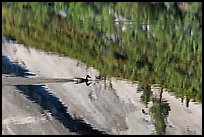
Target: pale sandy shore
x=112 y=106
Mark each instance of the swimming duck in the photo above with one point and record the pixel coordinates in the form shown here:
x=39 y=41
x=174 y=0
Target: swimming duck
x=78 y=80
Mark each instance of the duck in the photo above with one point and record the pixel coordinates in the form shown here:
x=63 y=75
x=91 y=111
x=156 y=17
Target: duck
x=78 y=80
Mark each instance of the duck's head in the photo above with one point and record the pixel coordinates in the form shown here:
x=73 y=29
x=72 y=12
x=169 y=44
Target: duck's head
x=87 y=76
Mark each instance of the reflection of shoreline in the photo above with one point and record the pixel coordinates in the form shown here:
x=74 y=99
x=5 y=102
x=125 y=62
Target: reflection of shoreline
x=166 y=109
x=159 y=108
x=160 y=111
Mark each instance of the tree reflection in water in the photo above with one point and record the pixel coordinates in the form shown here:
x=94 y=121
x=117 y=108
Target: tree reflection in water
x=147 y=94
x=159 y=109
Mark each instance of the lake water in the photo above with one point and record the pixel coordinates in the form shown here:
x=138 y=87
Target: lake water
x=156 y=45
x=111 y=105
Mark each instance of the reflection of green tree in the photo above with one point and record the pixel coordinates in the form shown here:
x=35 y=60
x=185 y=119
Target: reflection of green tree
x=159 y=112
x=147 y=93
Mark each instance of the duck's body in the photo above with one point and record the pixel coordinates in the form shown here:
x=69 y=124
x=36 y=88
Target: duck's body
x=78 y=80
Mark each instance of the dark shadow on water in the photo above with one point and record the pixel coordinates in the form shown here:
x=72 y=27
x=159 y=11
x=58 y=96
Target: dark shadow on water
x=14 y=68
x=41 y=96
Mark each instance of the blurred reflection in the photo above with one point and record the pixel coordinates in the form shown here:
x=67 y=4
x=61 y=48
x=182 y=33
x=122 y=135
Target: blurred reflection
x=160 y=111
x=146 y=94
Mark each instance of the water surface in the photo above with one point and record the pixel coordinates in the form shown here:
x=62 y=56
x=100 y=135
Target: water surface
x=112 y=105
